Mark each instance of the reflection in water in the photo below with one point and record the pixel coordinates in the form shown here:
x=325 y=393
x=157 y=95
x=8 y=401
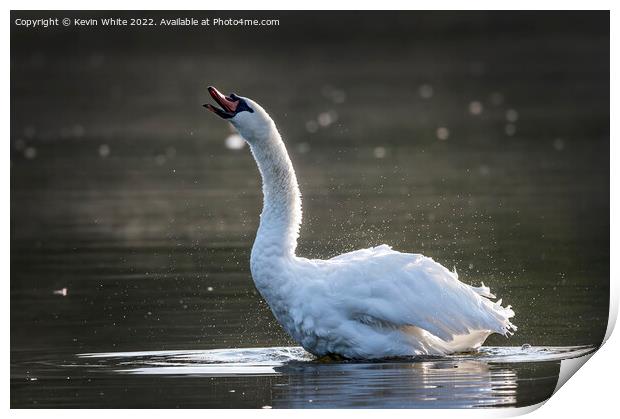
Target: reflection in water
x=486 y=378
x=424 y=384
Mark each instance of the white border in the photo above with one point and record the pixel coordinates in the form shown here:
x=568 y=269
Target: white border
x=592 y=392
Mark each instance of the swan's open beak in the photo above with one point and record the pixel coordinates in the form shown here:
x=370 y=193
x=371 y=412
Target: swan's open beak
x=228 y=104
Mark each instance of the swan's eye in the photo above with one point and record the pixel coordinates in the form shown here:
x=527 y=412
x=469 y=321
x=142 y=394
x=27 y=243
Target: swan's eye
x=243 y=105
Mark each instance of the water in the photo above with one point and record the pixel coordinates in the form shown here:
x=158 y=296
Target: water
x=493 y=377
x=292 y=378
x=125 y=195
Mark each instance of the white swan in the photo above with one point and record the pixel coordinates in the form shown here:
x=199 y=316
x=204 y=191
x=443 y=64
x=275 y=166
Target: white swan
x=370 y=303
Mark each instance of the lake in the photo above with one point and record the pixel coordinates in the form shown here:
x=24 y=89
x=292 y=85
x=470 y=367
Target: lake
x=478 y=139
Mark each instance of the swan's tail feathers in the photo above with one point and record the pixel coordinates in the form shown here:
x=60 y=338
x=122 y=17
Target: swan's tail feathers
x=504 y=314
x=509 y=328
x=483 y=291
x=501 y=313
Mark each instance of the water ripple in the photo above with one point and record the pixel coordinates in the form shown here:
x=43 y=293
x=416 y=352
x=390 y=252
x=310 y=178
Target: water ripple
x=251 y=361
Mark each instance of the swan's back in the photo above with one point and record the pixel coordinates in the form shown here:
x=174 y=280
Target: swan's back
x=378 y=302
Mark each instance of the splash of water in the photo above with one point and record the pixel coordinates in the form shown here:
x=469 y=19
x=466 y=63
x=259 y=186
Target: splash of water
x=265 y=361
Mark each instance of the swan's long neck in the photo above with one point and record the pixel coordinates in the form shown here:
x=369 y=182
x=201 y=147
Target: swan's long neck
x=281 y=217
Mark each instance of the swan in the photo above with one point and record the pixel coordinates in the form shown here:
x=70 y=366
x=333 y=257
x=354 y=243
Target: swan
x=365 y=304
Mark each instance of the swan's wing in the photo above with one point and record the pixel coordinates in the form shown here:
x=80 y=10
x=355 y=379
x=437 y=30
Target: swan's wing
x=380 y=285
x=362 y=254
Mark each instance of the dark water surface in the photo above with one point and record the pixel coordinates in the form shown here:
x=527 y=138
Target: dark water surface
x=125 y=194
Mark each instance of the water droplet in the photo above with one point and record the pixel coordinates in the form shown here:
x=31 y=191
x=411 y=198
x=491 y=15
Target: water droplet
x=303 y=148
x=30 y=153
x=426 y=91
x=234 y=142
x=379 y=152
x=78 y=131
x=443 y=133
x=104 y=150
x=475 y=107
x=325 y=119
x=558 y=144
x=512 y=115
x=510 y=129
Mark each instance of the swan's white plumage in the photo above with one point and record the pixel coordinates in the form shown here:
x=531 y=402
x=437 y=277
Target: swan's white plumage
x=370 y=303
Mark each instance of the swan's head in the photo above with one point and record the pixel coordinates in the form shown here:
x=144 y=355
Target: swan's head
x=246 y=115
